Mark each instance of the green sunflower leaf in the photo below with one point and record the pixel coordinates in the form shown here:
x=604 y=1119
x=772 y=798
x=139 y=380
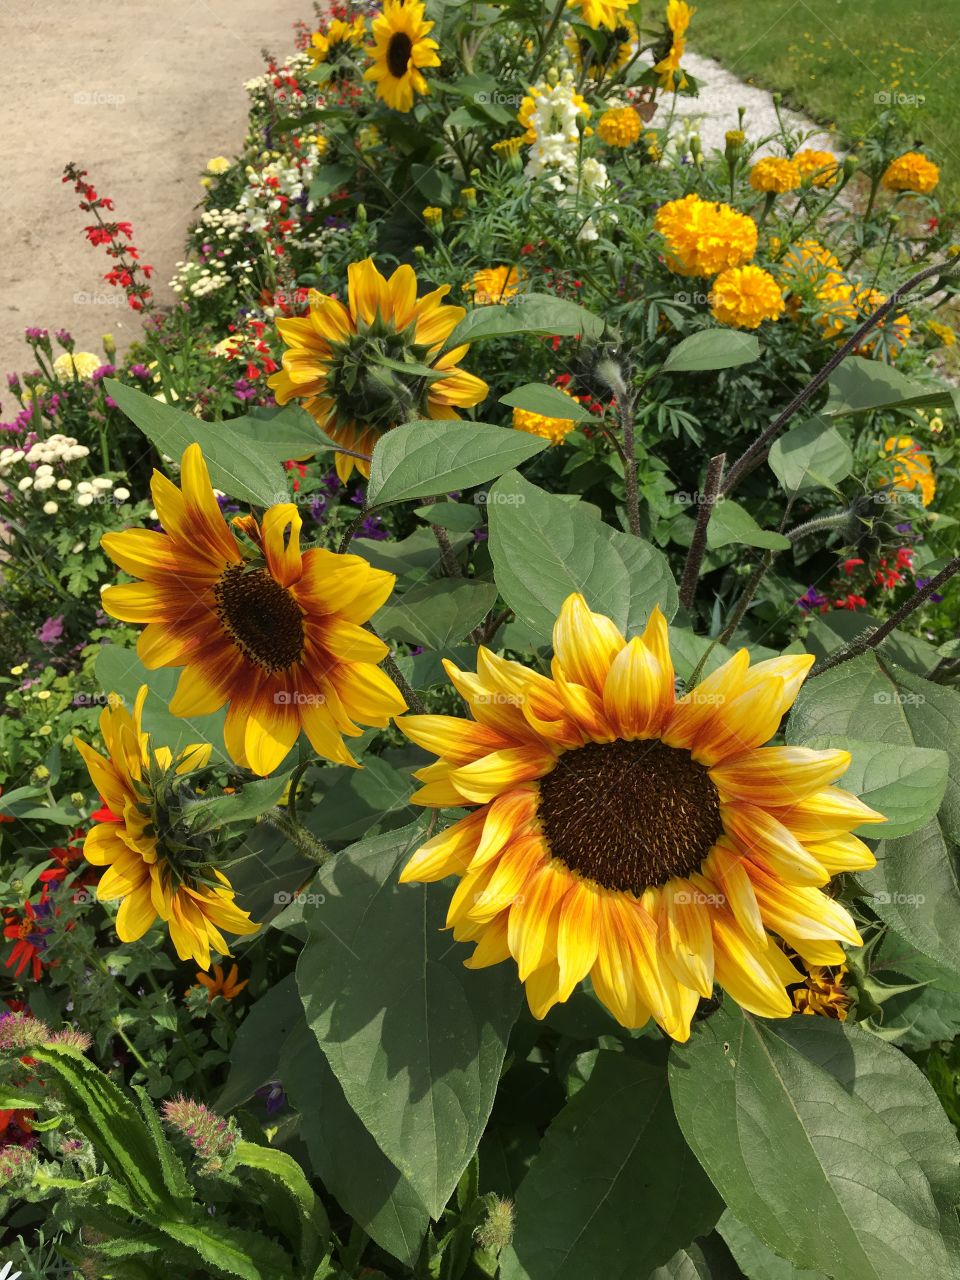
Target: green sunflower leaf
x=437 y=614
x=811 y=455
x=730 y=523
x=236 y=464
x=538 y=397
x=534 y=313
x=415 y=1040
x=824 y=1141
x=545 y=547
x=614 y=1191
x=860 y=385
x=712 y=349
x=425 y=459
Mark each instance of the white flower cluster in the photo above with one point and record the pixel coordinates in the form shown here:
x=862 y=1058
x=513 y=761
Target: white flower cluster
x=98 y=490
x=556 y=155
x=262 y=89
x=278 y=187
x=199 y=279
x=220 y=226
x=56 y=448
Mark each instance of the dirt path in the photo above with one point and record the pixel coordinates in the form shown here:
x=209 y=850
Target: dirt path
x=141 y=94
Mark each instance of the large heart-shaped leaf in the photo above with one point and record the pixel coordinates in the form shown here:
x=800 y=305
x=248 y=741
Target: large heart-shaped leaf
x=534 y=313
x=826 y=1142
x=905 y=784
x=614 y=1190
x=415 y=1039
x=425 y=459
x=437 y=614
x=810 y=455
x=544 y=548
x=712 y=349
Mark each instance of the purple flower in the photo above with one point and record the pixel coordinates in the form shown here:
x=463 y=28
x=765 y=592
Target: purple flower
x=811 y=599
x=318 y=506
x=105 y=371
x=35 y=334
x=273 y=1096
x=13 y=382
x=51 y=631
x=140 y=371
x=372 y=527
x=243 y=390
x=64 y=338
x=904 y=528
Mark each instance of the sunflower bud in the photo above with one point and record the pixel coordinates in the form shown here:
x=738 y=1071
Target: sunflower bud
x=850 y=166
x=433 y=217
x=496 y=1231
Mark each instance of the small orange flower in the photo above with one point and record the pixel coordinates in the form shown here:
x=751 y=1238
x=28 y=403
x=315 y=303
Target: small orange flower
x=219 y=984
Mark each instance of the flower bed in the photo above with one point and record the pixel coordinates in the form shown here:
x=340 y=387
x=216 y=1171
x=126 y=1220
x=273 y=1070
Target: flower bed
x=481 y=669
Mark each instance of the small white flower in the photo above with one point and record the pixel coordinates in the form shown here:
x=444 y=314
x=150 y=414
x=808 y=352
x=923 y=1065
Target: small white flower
x=121 y=494
x=25 y=483
x=44 y=482
x=84 y=486
x=77 y=548
x=45 y=470
x=64 y=484
x=84 y=499
x=50 y=508
x=102 y=482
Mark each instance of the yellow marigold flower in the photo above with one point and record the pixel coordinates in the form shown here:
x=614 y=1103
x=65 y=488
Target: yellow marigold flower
x=400 y=48
x=744 y=297
x=911 y=172
x=823 y=993
x=495 y=284
x=620 y=126
x=220 y=984
x=508 y=148
x=912 y=467
x=433 y=216
x=274 y=631
x=336 y=40
x=600 y=13
x=652 y=843
x=775 y=174
x=555 y=430
x=151 y=878
x=821 y=168
x=942 y=332
x=329 y=361
x=79 y=364
x=218 y=165
x=617 y=47
x=704 y=238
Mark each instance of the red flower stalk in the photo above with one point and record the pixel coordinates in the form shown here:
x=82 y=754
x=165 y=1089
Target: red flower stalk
x=132 y=275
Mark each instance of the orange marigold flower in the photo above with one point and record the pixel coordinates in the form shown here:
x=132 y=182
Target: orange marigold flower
x=911 y=172
x=744 y=297
x=704 y=238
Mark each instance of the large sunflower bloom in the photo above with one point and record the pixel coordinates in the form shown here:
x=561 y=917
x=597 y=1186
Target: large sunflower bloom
x=601 y=13
x=649 y=842
x=196 y=903
x=270 y=629
x=399 y=50
x=332 y=353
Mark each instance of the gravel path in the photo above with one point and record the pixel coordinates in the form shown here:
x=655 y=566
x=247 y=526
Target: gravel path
x=715 y=110
x=140 y=93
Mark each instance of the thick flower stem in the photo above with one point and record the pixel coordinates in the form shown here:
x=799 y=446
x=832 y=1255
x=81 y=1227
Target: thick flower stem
x=451 y=565
x=626 y=404
x=874 y=636
x=698 y=547
x=302 y=840
x=756 y=452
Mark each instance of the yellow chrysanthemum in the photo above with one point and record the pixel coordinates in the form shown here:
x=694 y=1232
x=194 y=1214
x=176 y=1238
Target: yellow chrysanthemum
x=820 y=168
x=495 y=284
x=330 y=361
x=195 y=902
x=555 y=430
x=433 y=215
x=600 y=13
x=744 y=297
x=339 y=38
x=913 y=469
x=218 y=164
x=80 y=364
x=668 y=67
x=704 y=238
x=620 y=127
x=823 y=993
x=401 y=47
x=651 y=843
x=617 y=47
x=911 y=172
x=275 y=631
x=775 y=174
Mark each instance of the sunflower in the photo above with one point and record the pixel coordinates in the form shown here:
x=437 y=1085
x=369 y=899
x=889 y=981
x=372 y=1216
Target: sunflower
x=678 y=17
x=338 y=39
x=332 y=355
x=152 y=874
x=650 y=842
x=270 y=629
x=222 y=984
x=399 y=50
x=600 y=13
x=616 y=48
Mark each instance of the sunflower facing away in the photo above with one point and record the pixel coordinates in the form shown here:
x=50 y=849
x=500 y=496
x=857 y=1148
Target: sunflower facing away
x=336 y=41
x=650 y=842
x=399 y=50
x=273 y=630
x=151 y=873
x=331 y=361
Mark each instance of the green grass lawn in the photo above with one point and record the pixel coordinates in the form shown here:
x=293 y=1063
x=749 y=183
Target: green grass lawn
x=832 y=58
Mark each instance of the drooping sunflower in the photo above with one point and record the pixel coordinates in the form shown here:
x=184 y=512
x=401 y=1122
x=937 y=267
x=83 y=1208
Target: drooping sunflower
x=331 y=361
x=337 y=40
x=651 y=843
x=152 y=874
x=616 y=48
x=274 y=631
x=600 y=13
x=400 y=49
x=668 y=68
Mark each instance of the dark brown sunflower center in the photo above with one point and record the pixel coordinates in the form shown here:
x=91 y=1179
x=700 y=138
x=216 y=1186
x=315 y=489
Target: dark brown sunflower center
x=629 y=815
x=261 y=617
x=398 y=54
